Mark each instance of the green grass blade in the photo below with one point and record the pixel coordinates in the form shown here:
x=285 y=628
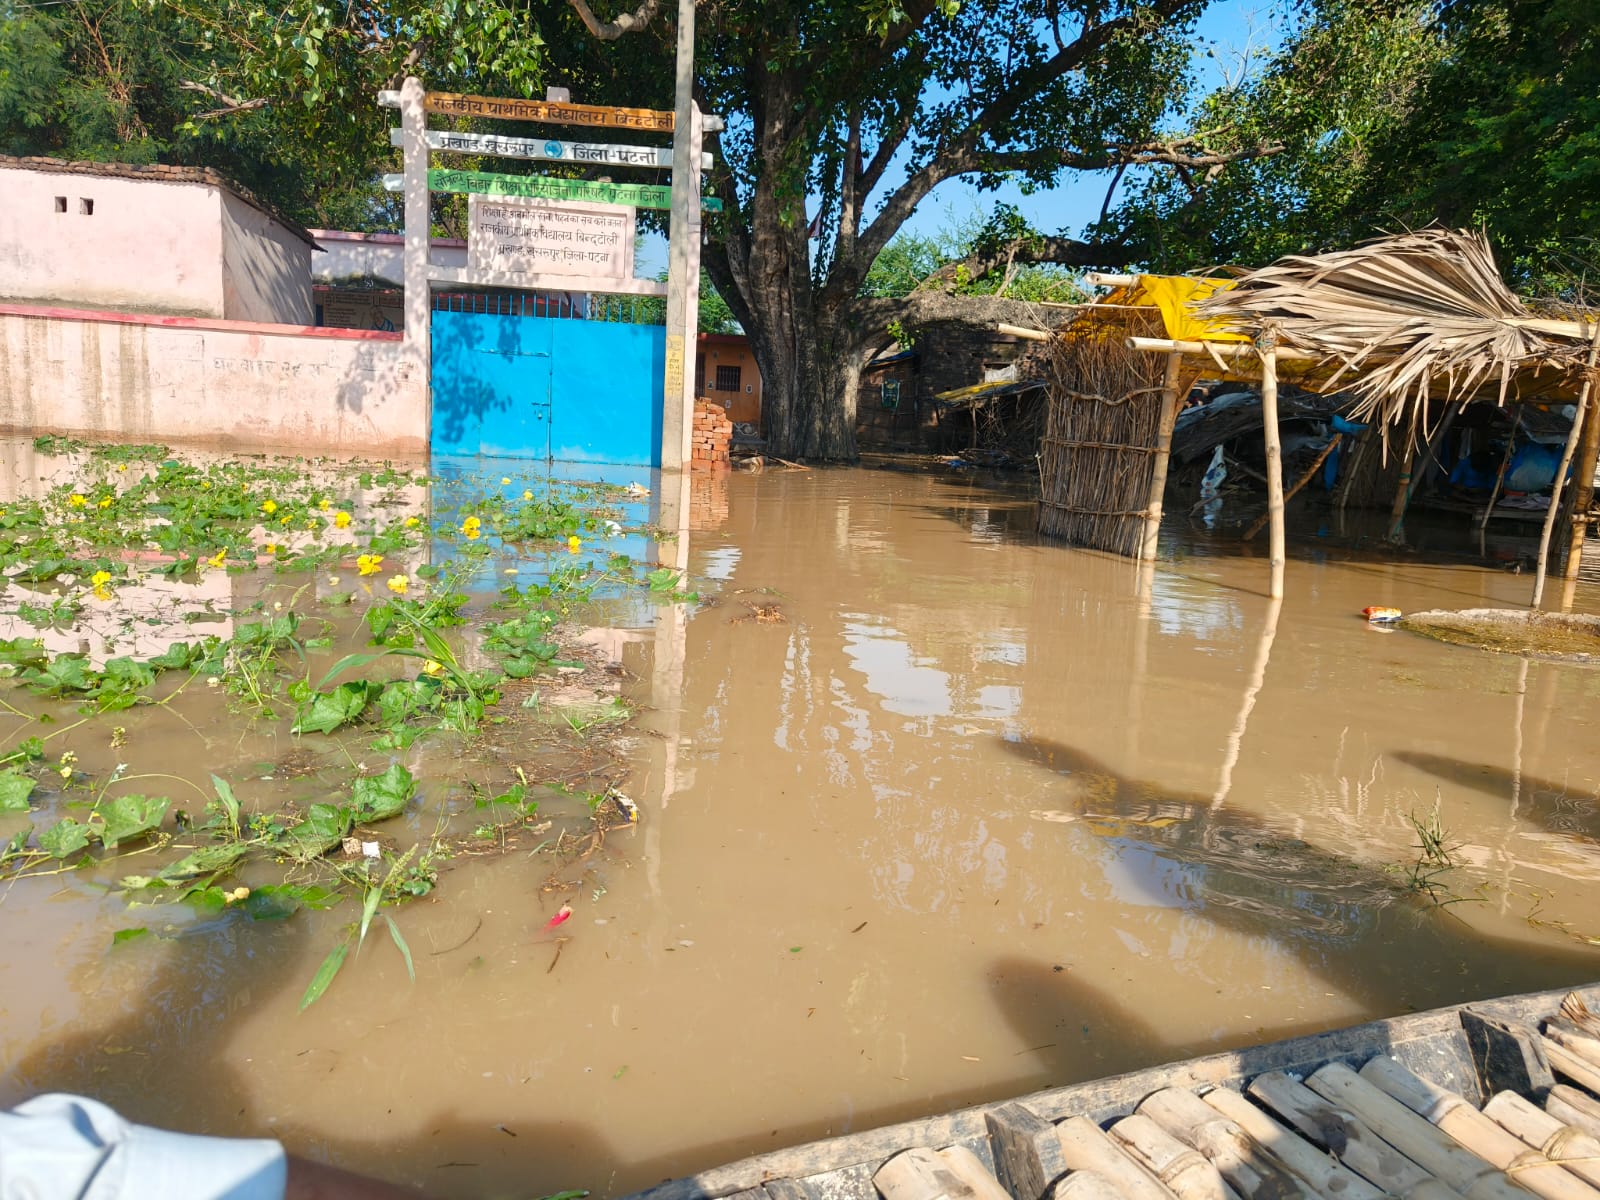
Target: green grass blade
x=405 y=950
x=353 y=660
x=325 y=973
x=374 y=898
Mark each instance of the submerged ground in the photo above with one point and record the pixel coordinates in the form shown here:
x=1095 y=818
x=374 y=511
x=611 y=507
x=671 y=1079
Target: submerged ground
x=932 y=812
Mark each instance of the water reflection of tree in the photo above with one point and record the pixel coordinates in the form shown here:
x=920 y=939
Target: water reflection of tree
x=1344 y=920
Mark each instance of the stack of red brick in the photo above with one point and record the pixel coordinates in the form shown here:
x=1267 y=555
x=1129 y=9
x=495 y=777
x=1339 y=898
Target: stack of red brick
x=713 y=433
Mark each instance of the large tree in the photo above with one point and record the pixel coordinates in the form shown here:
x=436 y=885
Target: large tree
x=843 y=117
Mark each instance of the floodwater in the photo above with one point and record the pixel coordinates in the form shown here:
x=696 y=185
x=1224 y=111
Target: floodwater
x=977 y=815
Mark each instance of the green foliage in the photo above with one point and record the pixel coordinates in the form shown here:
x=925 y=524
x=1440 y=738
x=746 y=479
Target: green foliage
x=15 y=788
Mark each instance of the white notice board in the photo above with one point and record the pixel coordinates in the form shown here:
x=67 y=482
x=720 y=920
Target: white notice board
x=549 y=237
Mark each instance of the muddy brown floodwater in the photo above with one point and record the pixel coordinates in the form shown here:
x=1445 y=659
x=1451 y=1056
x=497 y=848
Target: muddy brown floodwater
x=964 y=815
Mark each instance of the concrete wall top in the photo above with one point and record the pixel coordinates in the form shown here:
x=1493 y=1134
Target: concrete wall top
x=376 y=256
x=97 y=240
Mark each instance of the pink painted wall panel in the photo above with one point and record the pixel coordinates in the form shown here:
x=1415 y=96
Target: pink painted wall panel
x=145 y=245
x=266 y=270
x=211 y=382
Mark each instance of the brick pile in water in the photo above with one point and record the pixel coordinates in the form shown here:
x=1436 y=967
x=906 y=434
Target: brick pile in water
x=713 y=434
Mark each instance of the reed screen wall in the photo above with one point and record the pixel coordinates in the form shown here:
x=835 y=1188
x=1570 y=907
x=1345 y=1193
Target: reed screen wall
x=1098 y=451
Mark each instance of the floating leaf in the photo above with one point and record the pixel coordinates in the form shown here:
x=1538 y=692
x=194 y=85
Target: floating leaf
x=205 y=861
x=378 y=797
x=129 y=816
x=64 y=838
x=128 y=935
x=322 y=830
x=15 y=788
x=326 y=711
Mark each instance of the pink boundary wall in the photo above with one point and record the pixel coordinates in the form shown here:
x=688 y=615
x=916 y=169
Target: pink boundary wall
x=195 y=379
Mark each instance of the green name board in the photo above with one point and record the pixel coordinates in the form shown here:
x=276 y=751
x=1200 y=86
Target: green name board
x=543 y=187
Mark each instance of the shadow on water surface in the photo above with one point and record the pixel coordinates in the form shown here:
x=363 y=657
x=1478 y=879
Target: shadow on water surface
x=167 y=1060
x=1346 y=922
x=1571 y=807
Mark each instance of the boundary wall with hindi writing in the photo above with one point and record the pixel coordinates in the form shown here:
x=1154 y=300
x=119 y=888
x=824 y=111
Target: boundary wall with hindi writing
x=153 y=378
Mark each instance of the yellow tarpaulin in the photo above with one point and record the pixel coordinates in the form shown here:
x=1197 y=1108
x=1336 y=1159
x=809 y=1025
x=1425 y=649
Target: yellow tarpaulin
x=1177 y=296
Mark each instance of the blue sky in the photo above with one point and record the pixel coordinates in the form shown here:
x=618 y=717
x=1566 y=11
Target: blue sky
x=1228 y=25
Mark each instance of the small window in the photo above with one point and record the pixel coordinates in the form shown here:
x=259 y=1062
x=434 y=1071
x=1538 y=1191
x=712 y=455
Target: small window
x=85 y=206
x=61 y=204
x=728 y=379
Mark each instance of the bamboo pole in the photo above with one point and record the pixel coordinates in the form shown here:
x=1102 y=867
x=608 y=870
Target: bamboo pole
x=1251 y=1170
x=1087 y=1147
x=1578 y=421
x=1350 y=1139
x=1158 y=477
x=1018 y=331
x=1431 y=1149
x=1573 y=1107
x=1212 y=349
x=1476 y=1132
x=1298 y=484
x=1575 y=1067
x=1583 y=493
x=1500 y=475
x=1184 y=1170
x=1268 y=347
x=1576 y=1150
x=1402 y=493
x=1580 y=1041
x=1323 y=1173
x=1085 y=1185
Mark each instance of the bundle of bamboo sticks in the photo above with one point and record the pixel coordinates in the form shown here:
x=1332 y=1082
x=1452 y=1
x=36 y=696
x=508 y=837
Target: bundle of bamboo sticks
x=1339 y=1134
x=1098 y=451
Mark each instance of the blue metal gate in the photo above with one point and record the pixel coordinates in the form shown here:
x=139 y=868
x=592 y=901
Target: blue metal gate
x=567 y=388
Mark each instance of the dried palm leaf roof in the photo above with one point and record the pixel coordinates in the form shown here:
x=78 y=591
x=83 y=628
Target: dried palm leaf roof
x=1410 y=316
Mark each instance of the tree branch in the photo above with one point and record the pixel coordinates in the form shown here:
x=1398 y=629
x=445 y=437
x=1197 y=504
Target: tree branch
x=232 y=105
x=610 y=31
x=1063 y=251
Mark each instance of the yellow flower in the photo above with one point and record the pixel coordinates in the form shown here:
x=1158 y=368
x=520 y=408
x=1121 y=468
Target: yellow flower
x=412 y=522
x=472 y=526
x=122 y=466
x=368 y=564
x=220 y=557
x=398 y=584
x=574 y=544
x=98 y=581
x=77 y=500
x=324 y=504
x=527 y=495
x=105 y=502
x=342 y=519
x=432 y=668
x=204 y=484
x=269 y=507
x=504 y=480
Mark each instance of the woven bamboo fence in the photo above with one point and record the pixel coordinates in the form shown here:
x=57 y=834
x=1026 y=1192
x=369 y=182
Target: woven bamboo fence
x=1098 y=451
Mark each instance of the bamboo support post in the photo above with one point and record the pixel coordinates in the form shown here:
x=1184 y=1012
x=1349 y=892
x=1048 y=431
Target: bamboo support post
x=1573 y=1107
x=1578 y=421
x=1158 y=477
x=1300 y=483
x=1252 y=1171
x=1583 y=490
x=1212 y=349
x=1185 y=1170
x=1326 y=1176
x=1268 y=347
x=1576 y=1150
x=1018 y=331
x=1478 y=1133
x=1500 y=475
x=1431 y=1149
x=1087 y=1147
x=1348 y=1138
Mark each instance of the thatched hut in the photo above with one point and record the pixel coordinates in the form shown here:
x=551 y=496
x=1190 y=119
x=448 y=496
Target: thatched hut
x=1398 y=322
